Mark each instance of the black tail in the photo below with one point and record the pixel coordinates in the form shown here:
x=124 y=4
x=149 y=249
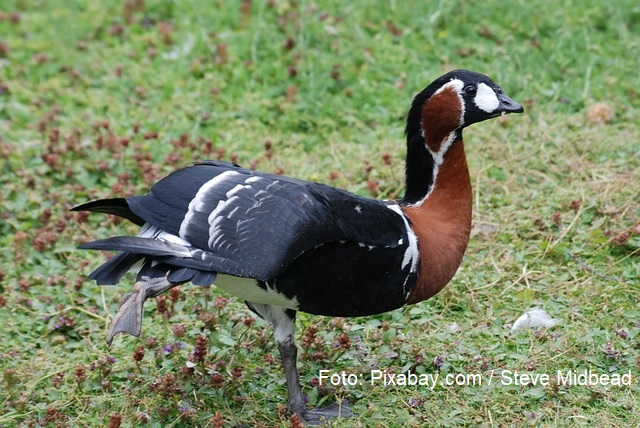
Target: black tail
x=135 y=244
x=113 y=269
x=115 y=206
x=163 y=258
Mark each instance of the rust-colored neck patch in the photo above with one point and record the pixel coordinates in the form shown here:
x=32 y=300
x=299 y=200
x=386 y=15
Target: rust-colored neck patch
x=441 y=115
x=442 y=223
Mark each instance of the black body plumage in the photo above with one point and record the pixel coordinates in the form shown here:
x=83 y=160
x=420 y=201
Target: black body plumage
x=333 y=252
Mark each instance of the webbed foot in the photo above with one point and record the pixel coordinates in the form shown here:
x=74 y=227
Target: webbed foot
x=129 y=316
x=322 y=415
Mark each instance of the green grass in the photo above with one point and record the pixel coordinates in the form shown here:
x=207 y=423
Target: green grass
x=97 y=102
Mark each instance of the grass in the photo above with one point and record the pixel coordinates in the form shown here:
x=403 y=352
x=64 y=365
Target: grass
x=104 y=98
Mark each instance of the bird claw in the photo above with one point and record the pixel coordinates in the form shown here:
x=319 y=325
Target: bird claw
x=129 y=316
x=322 y=415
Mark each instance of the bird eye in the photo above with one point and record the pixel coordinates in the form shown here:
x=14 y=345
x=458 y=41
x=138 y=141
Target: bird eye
x=470 y=90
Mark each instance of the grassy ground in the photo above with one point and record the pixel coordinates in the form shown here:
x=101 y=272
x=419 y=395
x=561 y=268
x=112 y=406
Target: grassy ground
x=103 y=98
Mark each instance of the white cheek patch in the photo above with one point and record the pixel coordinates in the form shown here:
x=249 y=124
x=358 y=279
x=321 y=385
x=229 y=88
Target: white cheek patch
x=486 y=98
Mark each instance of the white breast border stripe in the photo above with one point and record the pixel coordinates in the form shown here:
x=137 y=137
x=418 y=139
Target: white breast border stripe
x=411 y=255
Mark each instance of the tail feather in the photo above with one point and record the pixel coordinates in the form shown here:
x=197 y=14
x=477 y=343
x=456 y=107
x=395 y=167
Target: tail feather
x=115 y=206
x=181 y=275
x=113 y=269
x=135 y=244
x=182 y=263
x=204 y=278
x=197 y=277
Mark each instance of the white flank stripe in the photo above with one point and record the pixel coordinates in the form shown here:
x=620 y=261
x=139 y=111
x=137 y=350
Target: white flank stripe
x=215 y=219
x=197 y=202
x=236 y=189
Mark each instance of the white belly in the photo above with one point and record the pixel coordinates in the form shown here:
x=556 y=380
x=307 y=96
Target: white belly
x=248 y=289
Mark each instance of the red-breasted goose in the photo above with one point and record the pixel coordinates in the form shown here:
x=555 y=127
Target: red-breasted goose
x=286 y=245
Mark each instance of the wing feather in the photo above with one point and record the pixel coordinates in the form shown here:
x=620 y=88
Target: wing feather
x=251 y=224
